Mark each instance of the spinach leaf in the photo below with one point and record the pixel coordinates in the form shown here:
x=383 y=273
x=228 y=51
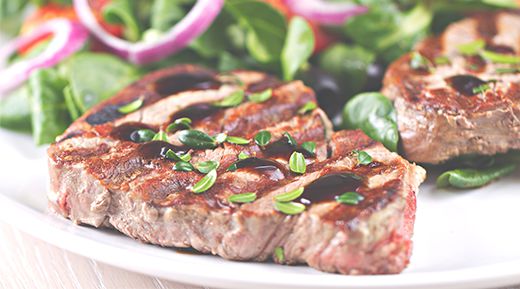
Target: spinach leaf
x=15 y=110
x=348 y=63
x=216 y=40
x=298 y=47
x=266 y=28
x=122 y=12
x=11 y=15
x=373 y=113
x=165 y=13
x=94 y=77
x=50 y=117
x=473 y=178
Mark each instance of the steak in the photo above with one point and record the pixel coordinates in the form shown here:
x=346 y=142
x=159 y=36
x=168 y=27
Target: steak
x=464 y=102
x=101 y=177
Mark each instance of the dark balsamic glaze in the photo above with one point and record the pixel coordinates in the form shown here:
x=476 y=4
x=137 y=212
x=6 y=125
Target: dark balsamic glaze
x=195 y=112
x=127 y=130
x=328 y=187
x=282 y=148
x=465 y=84
x=106 y=114
x=268 y=167
x=158 y=149
x=176 y=83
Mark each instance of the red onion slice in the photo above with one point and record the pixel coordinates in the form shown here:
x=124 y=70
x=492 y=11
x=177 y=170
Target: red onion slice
x=190 y=27
x=323 y=12
x=69 y=37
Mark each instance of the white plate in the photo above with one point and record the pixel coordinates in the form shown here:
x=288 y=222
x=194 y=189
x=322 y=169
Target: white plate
x=462 y=239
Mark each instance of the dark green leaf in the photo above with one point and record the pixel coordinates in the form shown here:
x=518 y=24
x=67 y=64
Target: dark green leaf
x=350 y=198
x=289 y=208
x=289 y=196
x=178 y=124
x=177 y=157
x=143 y=135
x=220 y=138
x=207 y=166
x=308 y=107
x=473 y=178
x=419 y=62
x=363 y=158
x=472 y=48
x=132 y=106
x=183 y=167
x=481 y=88
x=263 y=138
x=242 y=198
x=233 y=99
x=165 y=13
x=197 y=139
x=15 y=110
x=160 y=136
x=373 y=113
x=500 y=58
x=297 y=163
x=122 y=12
x=71 y=105
x=290 y=140
x=310 y=147
x=261 y=96
x=279 y=255
x=205 y=183
x=237 y=140
x=298 y=47
x=243 y=156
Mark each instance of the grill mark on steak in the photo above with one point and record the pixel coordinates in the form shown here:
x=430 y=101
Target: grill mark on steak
x=100 y=178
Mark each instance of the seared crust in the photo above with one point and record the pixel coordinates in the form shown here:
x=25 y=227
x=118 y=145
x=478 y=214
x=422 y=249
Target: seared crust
x=436 y=120
x=101 y=179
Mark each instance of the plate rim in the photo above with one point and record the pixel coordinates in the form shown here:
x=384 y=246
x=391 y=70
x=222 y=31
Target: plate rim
x=34 y=223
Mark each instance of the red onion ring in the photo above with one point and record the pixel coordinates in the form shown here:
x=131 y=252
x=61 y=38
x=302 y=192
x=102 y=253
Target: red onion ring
x=324 y=12
x=190 y=27
x=69 y=37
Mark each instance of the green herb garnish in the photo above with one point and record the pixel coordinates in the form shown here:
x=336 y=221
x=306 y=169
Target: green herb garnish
x=290 y=140
x=473 y=178
x=308 y=107
x=507 y=70
x=279 y=254
x=220 y=138
x=243 y=156
x=310 y=147
x=237 y=140
x=481 y=88
x=178 y=124
x=142 y=135
x=261 y=96
x=183 y=167
x=207 y=166
x=350 y=198
x=177 y=157
x=363 y=158
x=441 y=60
x=197 y=139
x=297 y=163
x=242 y=198
x=289 y=196
x=132 y=106
x=233 y=99
x=500 y=58
x=419 y=62
x=472 y=48
x=263 y=138
x=205 y=183
x=160 y=136
x=289 y=208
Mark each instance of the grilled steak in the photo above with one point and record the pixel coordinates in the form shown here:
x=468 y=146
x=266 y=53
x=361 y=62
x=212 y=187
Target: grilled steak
x=466 y=103
x=100 y=177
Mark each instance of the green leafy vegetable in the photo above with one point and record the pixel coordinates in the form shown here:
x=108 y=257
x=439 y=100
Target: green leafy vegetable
x=122 y=12
x=289 y=196
x=178 y=124
x=261 y=96
x=373 y=113
x=419 y=62
x=507 y=70
x=350 y=198
x=205 y=183
x=220 y=138
x=243 y=156
x=165 y=13
x=481 y=88
x=69 y=102
x=442 y=60
x=15 y=110
x=500 y=58
x=279 y=255
x=263 y=138
x=143 y=135
x=289 y=208
x=131 y=107
x=160 y=136
x=207 y=166
x=237 y=140
x=197 y=139
x=473 y=178
x=297 y=163
x=242 y=198
x=290 y=140
x=308 y=107
x=310 y=147
x=472 y=48
x=50 y=117
x=363 y=158
x=233 y=99
x=298 y=47
x=183 y=167
x=177 y=157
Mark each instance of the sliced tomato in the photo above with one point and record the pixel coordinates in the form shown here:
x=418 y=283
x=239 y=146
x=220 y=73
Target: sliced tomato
x=323 y=39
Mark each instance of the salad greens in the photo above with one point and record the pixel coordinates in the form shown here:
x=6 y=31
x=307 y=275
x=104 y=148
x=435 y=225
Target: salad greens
x=474 y=178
